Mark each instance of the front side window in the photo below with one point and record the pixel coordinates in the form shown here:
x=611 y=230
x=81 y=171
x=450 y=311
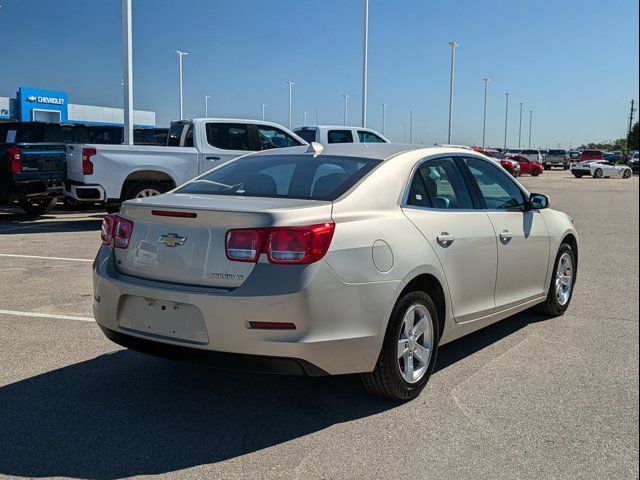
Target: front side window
x=497 y=189
x=438 y=183
x=340 y=136
x=228 y=136
x=368 y=137
x=272 y=137
x=283 y=176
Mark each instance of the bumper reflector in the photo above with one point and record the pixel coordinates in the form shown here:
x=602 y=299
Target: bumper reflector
x=271 y=325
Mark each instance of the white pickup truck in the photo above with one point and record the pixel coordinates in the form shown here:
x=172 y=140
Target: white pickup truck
x=326 y=134
x=110 y=174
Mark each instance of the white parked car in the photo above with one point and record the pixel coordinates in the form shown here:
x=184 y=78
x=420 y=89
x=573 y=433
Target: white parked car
x=110 y=174
x=327 y=134
x=600 y=169
x=531 y=154
x=351 y=259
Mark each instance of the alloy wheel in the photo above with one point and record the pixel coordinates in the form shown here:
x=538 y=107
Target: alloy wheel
x=415 y=343
x=147 y=192
x=564 y=279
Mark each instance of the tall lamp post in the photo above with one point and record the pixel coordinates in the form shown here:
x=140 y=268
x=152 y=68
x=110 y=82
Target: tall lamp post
x=263 y=106
x=206 y=104
x=410 y=126
x=520 y=127
x=506 y=119
x=291 y=84
x=384 y=112
x=180 y=55
x=346 y=108
x=365 y=61
x=453 y=46
x=127 y=84
x=305 y=119
x=530 y=122
x=484 y=114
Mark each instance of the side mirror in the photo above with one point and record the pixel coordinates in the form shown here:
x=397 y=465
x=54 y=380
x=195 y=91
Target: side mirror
x=538 y=201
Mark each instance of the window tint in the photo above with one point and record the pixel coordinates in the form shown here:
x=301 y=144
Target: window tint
x=339 y=136
x=272 y=137
x=498 y=190
x=105 y=135
x=557 y=152
x=438 y=183
x=288 y=176
x=228 y=136
x=307 y=134
x=530 y=152
x=368 y=137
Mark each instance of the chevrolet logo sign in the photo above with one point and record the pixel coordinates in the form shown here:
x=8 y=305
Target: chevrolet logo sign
x=32 y=98
x=172 y=240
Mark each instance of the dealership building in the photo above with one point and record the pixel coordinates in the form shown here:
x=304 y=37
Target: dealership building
x=31 y=104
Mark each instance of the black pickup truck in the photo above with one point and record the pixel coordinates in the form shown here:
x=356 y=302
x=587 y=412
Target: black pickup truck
x=33 y=163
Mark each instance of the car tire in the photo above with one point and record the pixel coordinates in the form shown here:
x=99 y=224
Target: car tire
x=566 y=167
x=547 y=167
x=626 y=174
x=37 y=207
x=112 y=207
x=388 y=380
x=598 y=173
x=535 y=172
x=577 y=175
x=556 y=303
x=144 y=188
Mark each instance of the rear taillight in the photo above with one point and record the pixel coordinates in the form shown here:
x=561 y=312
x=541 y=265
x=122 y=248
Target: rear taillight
x=87 y=164
x=15 y=165
x=283 y=245
x=117 y=230
x=245 y=244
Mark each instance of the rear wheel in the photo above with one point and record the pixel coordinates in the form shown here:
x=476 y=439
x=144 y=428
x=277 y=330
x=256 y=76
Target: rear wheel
x=562 y=282
x=37 y=207
x=577 y=175
x=598 y=173
x=409 y=350
x=547 y=167
x=144 y=189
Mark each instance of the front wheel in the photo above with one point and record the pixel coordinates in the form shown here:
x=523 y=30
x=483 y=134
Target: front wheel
x=598 y=173
x=577 y=175
x=626 y=174
x=562 y=282
x=37 y=207
x=535 y=173
x=409 y=350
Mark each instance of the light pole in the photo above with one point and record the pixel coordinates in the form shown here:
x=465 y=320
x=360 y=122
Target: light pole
x=365 y=61
x=305 y=119
x=484 y=114
x=291 y=84
x=506 y=118
x=410 y=126
x=206 y=105
x=530 y=122
x=317 y=117
x=453 y=46
x=346 y=108
x=127 y=84
x=520 y=127
x=263 y=106
x=384 y=111
x=180 y=55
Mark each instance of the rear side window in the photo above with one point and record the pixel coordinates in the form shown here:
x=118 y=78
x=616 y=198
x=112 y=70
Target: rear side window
x=369 y=137
x=340 y=136
x=307 y=134
x=283 y=176
x=228 y=136
x=439 y=184
x=106 y=135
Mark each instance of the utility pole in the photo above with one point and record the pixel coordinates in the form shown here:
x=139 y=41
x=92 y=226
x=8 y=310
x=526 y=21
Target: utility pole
x=484 y=115
x=304 y=124
x=317 y=117
x=127 y=57
x=263 y=105
x=530 y=123
x=631 y=112
x=384 y=111
x=520 y=128
x=365 y=62
x=346 y=108
x=291 y=84
x=410 y=126
x=180 y=55
x=506 y=119
x=453 y=46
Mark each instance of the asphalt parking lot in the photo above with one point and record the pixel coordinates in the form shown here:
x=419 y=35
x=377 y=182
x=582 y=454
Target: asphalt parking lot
x=529 y=397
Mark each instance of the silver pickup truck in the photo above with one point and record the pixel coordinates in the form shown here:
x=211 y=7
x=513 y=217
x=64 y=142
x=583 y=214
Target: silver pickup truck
x=556 y=158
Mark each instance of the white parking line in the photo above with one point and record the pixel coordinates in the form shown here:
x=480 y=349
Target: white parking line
x=37 y=257
x=45 y=315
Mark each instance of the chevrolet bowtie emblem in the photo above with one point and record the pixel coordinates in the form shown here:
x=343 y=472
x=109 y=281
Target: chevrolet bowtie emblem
x=172 y=240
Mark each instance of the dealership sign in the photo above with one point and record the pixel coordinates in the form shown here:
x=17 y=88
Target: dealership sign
x=33 y=104
x=47 y=100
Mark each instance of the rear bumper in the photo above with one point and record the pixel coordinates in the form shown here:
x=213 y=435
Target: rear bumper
x=84 y=193
x=339 y=326
x=33 y=189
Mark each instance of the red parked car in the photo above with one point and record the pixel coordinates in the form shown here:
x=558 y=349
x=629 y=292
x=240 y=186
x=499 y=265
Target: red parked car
x=508 y=164
x=591 y=155
x=528 y=166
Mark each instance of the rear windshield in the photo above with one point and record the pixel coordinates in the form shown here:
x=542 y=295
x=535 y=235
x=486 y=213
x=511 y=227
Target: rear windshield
x=557 y=152
x=530 y=152
x=307 y=134
x=284 y=176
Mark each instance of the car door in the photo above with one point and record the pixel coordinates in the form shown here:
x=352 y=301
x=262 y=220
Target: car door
x=223 y=142
x=440 y=204
x=522 y=235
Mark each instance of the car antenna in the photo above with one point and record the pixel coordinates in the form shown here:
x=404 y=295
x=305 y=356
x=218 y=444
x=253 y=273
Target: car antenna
x=315 y=148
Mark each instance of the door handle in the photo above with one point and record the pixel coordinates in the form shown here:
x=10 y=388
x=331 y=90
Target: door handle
x=506 y=235
x=445 y=239
x=212 y=158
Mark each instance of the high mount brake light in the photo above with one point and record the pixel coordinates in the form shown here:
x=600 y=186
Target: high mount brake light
x=283 y=245
x=116 y=230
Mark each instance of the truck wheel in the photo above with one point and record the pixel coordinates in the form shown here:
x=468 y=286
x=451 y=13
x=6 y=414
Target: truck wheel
x=577 y=175
x=144 y=189
x=37 y=207
x=566 y=167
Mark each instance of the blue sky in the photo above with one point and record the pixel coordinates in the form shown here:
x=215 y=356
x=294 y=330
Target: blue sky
x=574 y=63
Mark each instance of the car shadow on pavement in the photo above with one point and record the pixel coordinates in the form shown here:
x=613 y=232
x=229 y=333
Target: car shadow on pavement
x=125 y=413
x=48 y=225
